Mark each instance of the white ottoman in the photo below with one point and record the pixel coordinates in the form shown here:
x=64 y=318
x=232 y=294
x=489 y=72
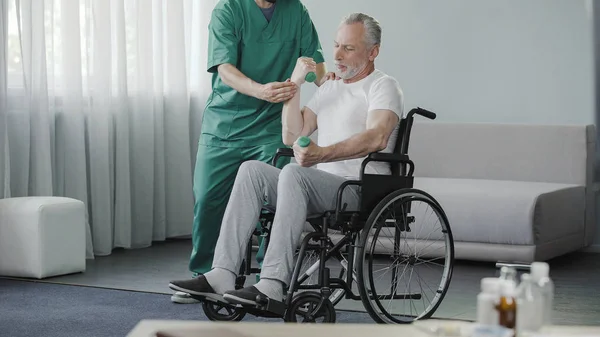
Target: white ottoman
x=41 y=236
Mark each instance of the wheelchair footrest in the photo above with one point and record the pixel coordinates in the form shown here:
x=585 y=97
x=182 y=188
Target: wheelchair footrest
x=269 y=307
x=255 y=311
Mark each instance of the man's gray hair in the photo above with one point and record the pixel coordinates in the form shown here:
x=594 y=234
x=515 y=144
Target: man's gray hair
x=372 y=27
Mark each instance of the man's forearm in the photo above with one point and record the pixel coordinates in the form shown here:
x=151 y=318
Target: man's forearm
x=238 y=81
x=357 y=146
x=292 y=120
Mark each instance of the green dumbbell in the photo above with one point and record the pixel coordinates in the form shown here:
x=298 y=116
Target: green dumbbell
x=303 y=141
x=310 y=77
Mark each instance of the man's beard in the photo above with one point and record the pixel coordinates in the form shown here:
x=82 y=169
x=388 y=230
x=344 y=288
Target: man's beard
x=351 y=71
x=271 y=1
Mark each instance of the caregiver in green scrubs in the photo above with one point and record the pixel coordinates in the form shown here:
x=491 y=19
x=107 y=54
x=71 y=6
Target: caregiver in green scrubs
x=253 y=47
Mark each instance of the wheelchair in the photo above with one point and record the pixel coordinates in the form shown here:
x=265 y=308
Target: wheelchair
x=389 y=208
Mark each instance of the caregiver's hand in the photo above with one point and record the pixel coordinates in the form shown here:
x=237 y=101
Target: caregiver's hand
x=331 y=76
x=277 y=92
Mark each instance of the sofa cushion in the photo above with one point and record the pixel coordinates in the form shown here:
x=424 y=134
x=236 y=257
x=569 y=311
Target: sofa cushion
x=538 y=153
x=507 y=212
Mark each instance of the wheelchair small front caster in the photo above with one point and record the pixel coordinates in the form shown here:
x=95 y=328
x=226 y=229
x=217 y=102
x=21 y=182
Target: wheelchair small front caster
x=303 y=305
x=222 y=312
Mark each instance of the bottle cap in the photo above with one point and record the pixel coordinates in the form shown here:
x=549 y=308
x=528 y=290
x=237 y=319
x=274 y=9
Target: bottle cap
x=539 y=270
x=508 y=273
x=508 y=288
x=303 y=141
x=490 y=285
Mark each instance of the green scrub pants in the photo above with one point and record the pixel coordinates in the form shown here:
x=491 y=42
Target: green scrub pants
x=214 y=175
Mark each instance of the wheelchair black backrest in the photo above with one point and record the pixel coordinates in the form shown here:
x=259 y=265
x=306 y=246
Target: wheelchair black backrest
x=376 y=187
x=404 y=129
x=401 y=146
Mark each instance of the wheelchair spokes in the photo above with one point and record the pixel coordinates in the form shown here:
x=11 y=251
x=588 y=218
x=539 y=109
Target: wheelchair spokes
x=407 y=258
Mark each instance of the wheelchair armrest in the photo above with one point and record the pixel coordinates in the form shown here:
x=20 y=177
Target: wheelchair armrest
x=388 y=157
x=340 y=192
x=282 y=152
x=392 y=158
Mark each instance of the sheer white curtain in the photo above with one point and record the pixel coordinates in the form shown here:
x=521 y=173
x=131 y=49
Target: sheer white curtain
x=104 y=102
x=4 y=182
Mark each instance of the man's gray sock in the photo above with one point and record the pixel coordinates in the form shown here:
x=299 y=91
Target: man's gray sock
x=273 y=289
x=221 y=280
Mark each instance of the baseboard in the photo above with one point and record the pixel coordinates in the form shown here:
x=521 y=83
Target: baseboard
x=592 y=249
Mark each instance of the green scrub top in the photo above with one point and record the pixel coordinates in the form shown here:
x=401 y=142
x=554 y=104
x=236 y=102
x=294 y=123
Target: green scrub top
x=265 y=52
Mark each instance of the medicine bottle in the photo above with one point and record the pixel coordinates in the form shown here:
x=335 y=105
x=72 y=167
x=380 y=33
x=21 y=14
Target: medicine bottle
x=507 y=306
x=487 y=300
x=543 y=283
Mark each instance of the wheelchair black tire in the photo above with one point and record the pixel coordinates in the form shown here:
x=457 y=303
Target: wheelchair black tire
x=364 y=279
x=327 y=309
x=212 y=312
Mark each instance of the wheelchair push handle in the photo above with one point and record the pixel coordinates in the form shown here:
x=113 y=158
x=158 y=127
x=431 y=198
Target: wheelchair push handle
x=422 y=112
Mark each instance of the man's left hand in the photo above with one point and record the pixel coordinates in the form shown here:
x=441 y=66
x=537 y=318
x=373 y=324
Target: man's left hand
x=308 y=156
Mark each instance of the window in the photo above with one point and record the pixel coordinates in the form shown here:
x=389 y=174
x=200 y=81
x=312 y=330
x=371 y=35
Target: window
x=139 y=36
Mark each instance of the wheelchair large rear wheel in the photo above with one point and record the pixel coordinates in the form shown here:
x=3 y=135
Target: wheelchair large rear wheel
x=405 y=258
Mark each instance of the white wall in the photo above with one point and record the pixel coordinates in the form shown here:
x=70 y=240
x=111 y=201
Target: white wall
x=481 y=61
x=509 y=61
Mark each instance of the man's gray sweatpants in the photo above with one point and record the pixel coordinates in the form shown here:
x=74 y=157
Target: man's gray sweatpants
x=295 y=192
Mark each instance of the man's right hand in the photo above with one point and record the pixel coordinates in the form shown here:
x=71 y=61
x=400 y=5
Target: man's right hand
x=277 y=92
x=304 y=65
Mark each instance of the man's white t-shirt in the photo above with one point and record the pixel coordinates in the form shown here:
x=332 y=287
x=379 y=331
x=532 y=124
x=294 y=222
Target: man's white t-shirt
x=342 y=111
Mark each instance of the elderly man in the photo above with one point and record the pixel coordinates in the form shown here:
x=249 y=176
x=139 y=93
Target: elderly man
x=355 y=116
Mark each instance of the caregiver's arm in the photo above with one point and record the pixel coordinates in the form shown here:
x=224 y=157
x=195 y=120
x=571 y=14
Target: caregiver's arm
x=223 y=51
x=274 y=92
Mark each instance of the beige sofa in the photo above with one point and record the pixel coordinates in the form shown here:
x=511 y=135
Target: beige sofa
x=512 y=193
